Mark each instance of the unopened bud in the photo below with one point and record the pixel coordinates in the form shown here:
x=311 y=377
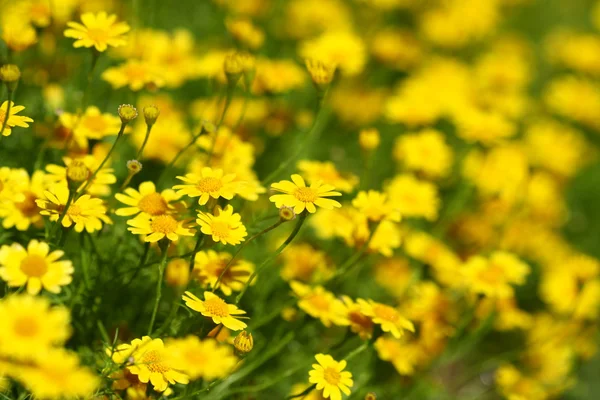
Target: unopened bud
x=178 y=273
x=134 y=166
x=10 y=75
x=321 y=72
x=127 y=112
x=243 y=343
x=369 y=139
x=151 y=113
x=287 y=213
x=77 y=172
x=370 y=396
x=233 y=68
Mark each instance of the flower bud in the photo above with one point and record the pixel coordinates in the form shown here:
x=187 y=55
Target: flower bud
x=208 y=126
x=134 y=166
x=178 y=273
x=286 y=213
x=10 y=75
x=243 y=343
x=233 y=68
x=371 y=396
x=321 y=72
x=151 y=113
x=127 y=112
x=369 y=139
x=77 y=172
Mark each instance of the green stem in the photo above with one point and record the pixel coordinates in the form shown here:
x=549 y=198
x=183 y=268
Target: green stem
x=143 y=260
x=7 y=115
x=228 y=98
x=72 y=193
x=180 y=153
x=141 y=151
x=270 y=228
x=161 y=271
x=303 y=393
x=273 y=256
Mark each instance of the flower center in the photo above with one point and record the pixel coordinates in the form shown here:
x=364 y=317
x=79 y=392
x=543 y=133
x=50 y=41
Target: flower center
x=220 y=229
x=25 y=326
x=385 y=312
x=28 y=207
x=494 y=274
x=331 y=376
x=319 y=302
x=154 y=362
x=153 y=204
x=34 y=265
x=98 y=34
x=74 y=210
x=217 y=307
x=209 y=185
x=164 y=224
x=95 y=123
x=306 y=195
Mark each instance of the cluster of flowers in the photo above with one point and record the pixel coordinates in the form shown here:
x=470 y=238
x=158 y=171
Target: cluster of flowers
x=457 y=239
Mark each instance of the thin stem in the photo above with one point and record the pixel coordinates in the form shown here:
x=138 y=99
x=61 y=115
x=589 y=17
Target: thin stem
x=127 y=180
x=143 y=260
x=303 y=393
x=161 y=271
x=273 y=256
x=7 y=115
x=141 y=151
x=228 y=98
x=180 y=153
x=270 y=228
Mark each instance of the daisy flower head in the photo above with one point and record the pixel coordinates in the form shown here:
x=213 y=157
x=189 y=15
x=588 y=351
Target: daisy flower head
x=330 y=377
x=97 y=30
x=224 y=225
x=158 y=227
x=215 y=307
x=30 y=325
x=388 y=317
x=148 y=359
x=206 y=359
x=35 y=266
x=86 y=212
x=13 y=118
x=146 y=200
x=375 y=206
x=209 y=183
x=320 y=303
x=301 y=197
x=210 y=265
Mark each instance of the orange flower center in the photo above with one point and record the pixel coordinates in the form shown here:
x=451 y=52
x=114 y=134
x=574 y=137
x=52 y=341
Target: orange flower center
x=306 y=195
x=34 y=265
x=492 y=275
x=220 y=229
x=163 y=224
x=28 y=207
x=98 y=34
x=331 y=376
x=320 y=302
x=95 y=123
x=209 y=185
x=217 y=307
x=154 y=362
x=25 y=326
x=386 y=313
x=153 y=204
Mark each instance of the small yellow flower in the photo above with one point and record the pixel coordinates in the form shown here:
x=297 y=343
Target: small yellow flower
x=369 y=139
x=320 y=303
x=493 y=277
x=151 y=114
x=375 y=206
x=210 y=265
x=224 y=225
x=359 y=322
x=214 y=307
x=243 y=342
x=127 y=113
x=210 y=183
x=146 y=200
x=177 y=273
x=100 y=186
x=388 y=317
x=13 y=119
x=330 y=377
x=98 y=30
x=301 y=197
x=206 y=359
x=86 y=212
x=326 y=172
x=158 y=227
x=35 y=266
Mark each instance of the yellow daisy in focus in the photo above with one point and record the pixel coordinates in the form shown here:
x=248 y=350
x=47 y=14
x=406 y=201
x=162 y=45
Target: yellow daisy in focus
x=210 y=183
x=158 y=227
x=148 y=359
x=13 y=119
x=97 y=30
x=300 y=197
x=206 y=359
x=388 y=317
x=224 y=225
x=86 y=212
x=29 y=326
x=215 y=307
x=320 y=303
x=146 y=200
x=100 y=186
x=330 y=377
x=210 y=265
x=34 y=266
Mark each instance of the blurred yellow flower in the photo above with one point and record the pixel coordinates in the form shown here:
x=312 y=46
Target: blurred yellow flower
x=326 y=172
x=201 y=359
x=97 y=30
x=320 y=303
x=388 y=317
x=210 y=265
x=493 y=277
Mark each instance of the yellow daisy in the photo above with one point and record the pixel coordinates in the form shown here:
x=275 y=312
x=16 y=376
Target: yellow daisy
x=13 y=119
x=149 y=361
x=330 y=377
x=299 y=196
x=209 y=266
x=100 y=186
x=98 y=30
x=29 y=326
x=210 y=183
x=388 y=317
x=320 y=303
x=216 y=308
x=20 y=209
x=35 y=266
x=135 y=74
x=206 y=359
x=95 y=125
x=86 y=212
x=375 y=206
x=224 y=225
x=158 y=227
x=147 y=200
x=359 y=322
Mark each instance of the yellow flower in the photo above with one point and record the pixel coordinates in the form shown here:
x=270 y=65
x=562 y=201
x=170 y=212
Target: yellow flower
x=209 y=266
x=388 y=317
x=210 y=183
x=375 y=206
x=304 y=263
x=150 y=361
x=135 y=74
x=493 y=277
x=146 y=201
x=326 y=172
x=320 y=303
x=94 y=125
x=214 y=307
x=405 y=356
x=20 y=209
x=13 y=118
x=34 y=266
x=330 y=377
x=86 y=212
x=414 y=197
x=424 y=151
x=224 y=225
x=344 y=49
x=245 y=32
x=201 y=359
x=359 y=322
x=29 y=326
x=98 y=30
x=177 y=273
x=158 y=227
x=277 y=76
x=100 y=186
x=300 y=197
